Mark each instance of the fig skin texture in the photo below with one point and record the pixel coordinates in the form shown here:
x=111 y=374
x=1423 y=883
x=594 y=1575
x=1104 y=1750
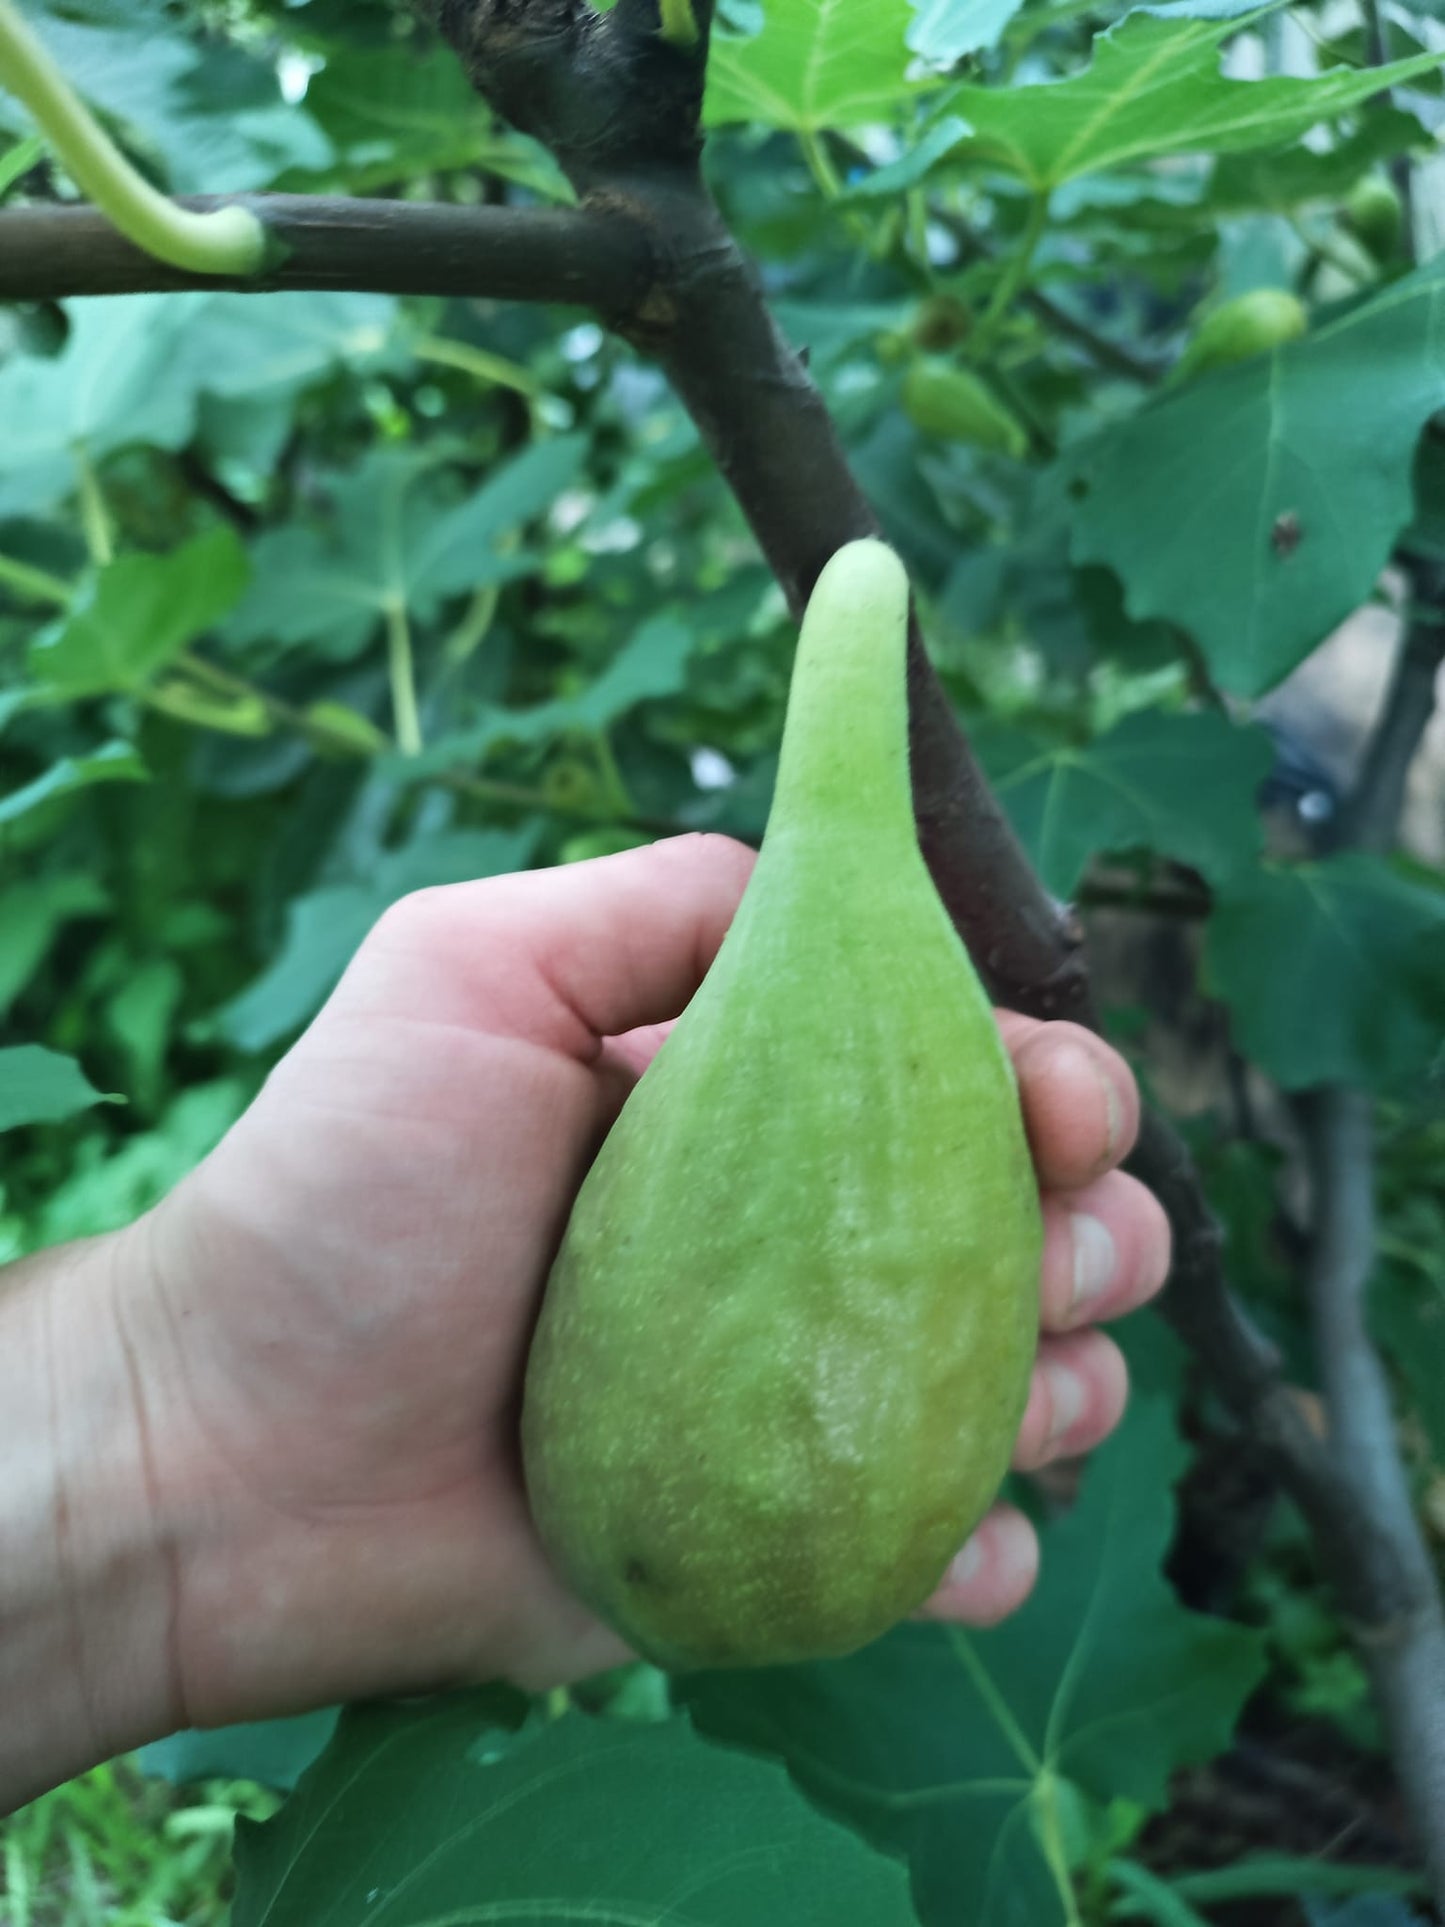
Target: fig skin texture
x=786 y=1344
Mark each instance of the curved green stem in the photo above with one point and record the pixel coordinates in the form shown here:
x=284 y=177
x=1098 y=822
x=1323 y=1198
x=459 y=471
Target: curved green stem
x=1051 y=1839
x=1012 y=279
x=230 y=241
x=471 y=632
x=24 y=580
x=612 y=779
x=480 y=363
x=402 y=670
x=820 y=165
x=94 y=515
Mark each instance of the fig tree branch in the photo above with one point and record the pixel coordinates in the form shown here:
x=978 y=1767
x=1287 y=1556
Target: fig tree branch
x=586 y=258
x=619 y=108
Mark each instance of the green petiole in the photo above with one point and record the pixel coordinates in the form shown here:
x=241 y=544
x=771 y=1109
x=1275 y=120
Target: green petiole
x=229 y=241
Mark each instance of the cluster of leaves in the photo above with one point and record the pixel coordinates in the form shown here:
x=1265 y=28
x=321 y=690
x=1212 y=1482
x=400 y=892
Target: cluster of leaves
x=311 y=600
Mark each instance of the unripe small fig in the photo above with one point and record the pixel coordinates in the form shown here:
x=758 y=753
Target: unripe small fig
x=1249 y=325
x=942 y=322
x=954 y=404
x=1373 y=213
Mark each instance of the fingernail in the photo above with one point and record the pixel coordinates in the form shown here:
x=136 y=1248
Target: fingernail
x=1113 y=1112
x=1096 y=1258
x=1066 y=1401
x=966 y=1564
x=1074 y=1058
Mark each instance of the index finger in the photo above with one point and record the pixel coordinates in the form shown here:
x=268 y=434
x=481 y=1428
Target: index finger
x=1079 y=1099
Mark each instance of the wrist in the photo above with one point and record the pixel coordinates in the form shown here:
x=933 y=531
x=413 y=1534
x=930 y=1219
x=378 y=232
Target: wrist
x=86 y=1559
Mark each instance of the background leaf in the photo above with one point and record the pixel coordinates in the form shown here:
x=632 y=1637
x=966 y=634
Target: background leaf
x=1308 y=449
x=137 y=614
x=1179 y=785
x=579 y=1820
x=1154 y=88
x=325 y=928
x=394 y=540
x=1312 y=961
x=946 y=30
x=816 y=64
x=274 y=1753
x=962 y=1749
x=112 y=763
x=41 y=1087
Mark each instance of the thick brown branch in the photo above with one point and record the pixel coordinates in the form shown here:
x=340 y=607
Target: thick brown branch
x=583 y=258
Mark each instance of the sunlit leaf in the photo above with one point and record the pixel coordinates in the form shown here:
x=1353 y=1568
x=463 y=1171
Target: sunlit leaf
x=816 y=64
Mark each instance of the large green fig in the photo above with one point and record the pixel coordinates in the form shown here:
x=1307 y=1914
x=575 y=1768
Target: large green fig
x=786 y=1343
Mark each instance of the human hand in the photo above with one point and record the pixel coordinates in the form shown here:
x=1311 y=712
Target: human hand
x=334 y=1309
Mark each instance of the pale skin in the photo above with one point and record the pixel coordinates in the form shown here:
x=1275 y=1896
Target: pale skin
x=257 y=1451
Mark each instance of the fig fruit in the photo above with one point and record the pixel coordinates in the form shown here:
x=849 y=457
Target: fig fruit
x=1251 y=323
x=786 y=1343
x=1375 y=215
x=954 y=404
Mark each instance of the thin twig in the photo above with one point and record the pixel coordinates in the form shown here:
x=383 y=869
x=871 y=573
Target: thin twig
x=1370 y=818
x=583 y=257
x=1383 y=1570
x=1172 y=891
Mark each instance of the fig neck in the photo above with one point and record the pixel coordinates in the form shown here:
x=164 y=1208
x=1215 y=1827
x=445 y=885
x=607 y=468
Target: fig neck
x=843 y=770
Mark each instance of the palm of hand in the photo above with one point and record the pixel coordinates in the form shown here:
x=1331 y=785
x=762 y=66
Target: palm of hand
x=363 y=1339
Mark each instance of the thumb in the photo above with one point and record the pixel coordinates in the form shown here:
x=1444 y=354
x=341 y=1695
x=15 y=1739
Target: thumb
x=567 y=956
